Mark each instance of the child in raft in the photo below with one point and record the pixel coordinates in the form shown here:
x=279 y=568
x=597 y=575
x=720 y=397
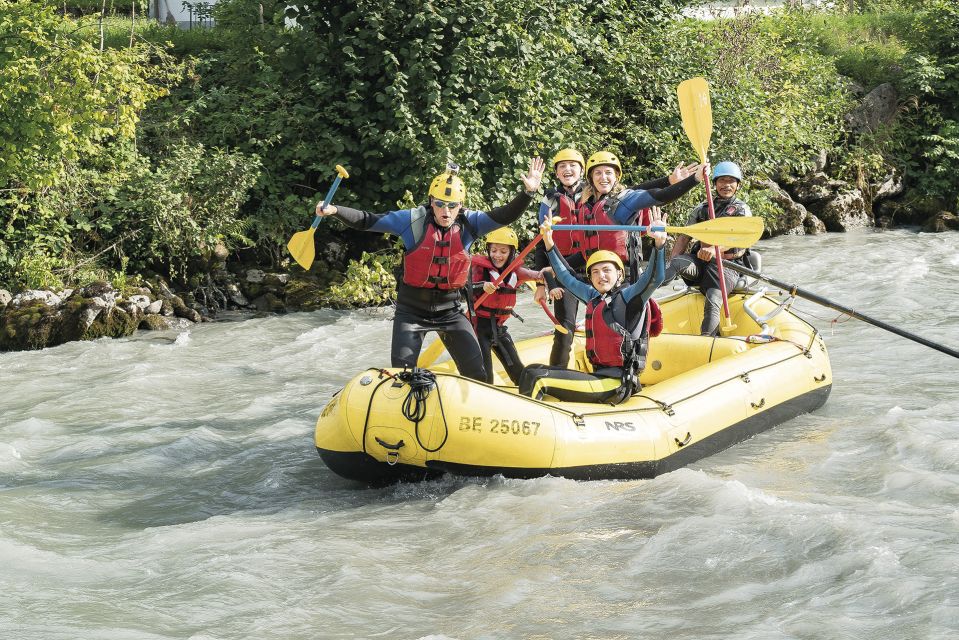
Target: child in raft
x=501 y=247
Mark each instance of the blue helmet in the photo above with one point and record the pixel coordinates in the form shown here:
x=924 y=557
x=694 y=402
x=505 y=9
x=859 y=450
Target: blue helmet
x=727 y=168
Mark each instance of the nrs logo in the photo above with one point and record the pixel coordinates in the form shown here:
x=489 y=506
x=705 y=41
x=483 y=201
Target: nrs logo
x=620 y=426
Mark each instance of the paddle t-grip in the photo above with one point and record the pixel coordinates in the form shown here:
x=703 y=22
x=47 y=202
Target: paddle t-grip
x=340 y=174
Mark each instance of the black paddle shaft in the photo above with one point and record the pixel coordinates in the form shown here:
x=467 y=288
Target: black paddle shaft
x=796 y=291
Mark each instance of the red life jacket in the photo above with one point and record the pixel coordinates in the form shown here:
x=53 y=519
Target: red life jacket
x=644 y=218
x=567 y=242
x=608 y=339
x=604 y=345
x=593 y=241
x=439 y=260
x=501 y=302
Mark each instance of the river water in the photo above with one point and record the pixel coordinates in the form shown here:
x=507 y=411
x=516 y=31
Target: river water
x=166 y=486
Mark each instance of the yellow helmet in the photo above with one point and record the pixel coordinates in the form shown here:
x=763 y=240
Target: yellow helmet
x=503 y=235
x=449 y=187
x=604 y=256
x=601 y=158
x=568 y=155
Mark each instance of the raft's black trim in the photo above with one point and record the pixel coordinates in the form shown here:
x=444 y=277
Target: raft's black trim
x=364 y=468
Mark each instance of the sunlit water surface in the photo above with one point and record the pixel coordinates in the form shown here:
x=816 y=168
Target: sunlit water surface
x=166 y=486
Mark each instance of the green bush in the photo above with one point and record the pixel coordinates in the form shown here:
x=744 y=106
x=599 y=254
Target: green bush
x=394 y=91
x=368 y=282
x=912 y=44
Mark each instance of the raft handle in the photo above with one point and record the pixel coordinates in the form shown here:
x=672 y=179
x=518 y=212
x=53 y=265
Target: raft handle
x=685 y=441
x=762 y=403
x=393 y=447
x=393 y=455
x=819 y=379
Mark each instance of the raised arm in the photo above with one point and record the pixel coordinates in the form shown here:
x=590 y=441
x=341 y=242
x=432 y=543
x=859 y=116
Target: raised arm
x=511 y=211
x=655 y=272
x=561 y=269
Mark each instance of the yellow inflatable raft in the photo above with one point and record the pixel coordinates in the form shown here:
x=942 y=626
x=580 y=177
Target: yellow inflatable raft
x=700 y=395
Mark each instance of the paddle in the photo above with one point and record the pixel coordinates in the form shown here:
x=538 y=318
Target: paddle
x=730 y=231
x=301 y=244
x=796 y=291
x=697 y=115
x=549 y=314
x=432 y=352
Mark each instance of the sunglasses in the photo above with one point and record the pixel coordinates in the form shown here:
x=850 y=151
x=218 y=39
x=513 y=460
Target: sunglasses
x=443 y=204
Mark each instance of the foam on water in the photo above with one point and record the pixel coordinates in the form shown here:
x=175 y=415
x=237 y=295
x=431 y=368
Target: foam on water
x=166 y=486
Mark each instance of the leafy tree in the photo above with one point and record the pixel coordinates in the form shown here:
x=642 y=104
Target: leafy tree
x=62 y=99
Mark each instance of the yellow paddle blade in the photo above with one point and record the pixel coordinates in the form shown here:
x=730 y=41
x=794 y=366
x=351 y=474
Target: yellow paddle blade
x=729 y=231
x=302 y=249
x=697 y=113
x=432 y=352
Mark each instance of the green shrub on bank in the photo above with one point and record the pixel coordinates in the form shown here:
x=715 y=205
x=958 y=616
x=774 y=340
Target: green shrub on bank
x=84 y=188
x=129 y=158
x=110 y=7
x=913 y=45
x=368 y=282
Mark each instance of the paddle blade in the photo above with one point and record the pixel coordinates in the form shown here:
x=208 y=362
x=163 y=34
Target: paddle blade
x=729 y=231
x=302 y=249
x=432 y=352
x=697 y=113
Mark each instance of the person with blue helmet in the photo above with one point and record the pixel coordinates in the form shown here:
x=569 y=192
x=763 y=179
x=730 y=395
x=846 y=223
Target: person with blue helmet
x=696 y=263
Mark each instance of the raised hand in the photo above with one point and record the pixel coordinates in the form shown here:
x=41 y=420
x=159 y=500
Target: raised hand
x=546 y=229
x=534 y=176
x=658 y=219
x=681 y=172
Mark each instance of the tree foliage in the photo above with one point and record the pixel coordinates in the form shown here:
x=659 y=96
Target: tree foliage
x=913 y=44
x=395 y=90
x=75 y=189
x=142 y=160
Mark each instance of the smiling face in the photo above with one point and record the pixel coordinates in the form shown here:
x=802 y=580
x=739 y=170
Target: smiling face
x=568 y=172
x=603 y=178
x=726 y=186
x=604 y=276
x=443 y=213
x=498 y=253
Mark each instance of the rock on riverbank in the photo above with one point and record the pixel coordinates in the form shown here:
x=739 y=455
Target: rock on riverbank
x=36 y=319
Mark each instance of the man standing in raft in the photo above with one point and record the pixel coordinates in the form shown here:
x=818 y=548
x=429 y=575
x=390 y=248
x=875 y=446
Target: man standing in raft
x=616 y=326
x=562 y=201
x=436 y=263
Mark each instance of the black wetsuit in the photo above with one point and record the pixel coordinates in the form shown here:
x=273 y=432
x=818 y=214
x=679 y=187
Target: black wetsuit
x=420 y=310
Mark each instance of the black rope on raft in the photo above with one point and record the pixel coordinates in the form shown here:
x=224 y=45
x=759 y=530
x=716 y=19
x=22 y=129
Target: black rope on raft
x=421 y=382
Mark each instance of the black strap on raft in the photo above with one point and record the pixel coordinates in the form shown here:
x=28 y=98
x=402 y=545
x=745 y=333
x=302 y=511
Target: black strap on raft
x=421 y=382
